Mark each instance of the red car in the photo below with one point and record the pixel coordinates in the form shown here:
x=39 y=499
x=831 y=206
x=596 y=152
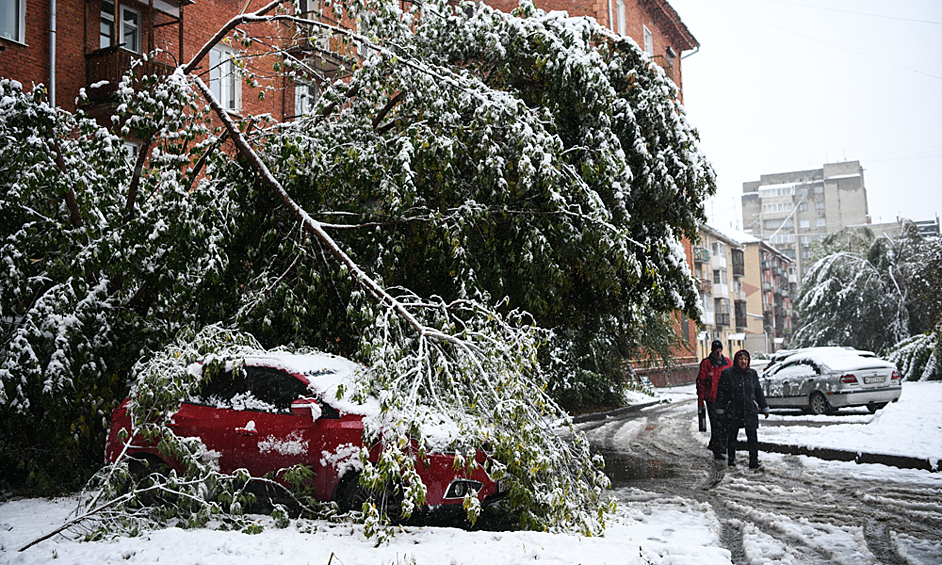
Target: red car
x=281 y=410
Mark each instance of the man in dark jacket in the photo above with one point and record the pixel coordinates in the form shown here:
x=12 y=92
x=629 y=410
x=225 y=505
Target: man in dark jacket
x=707 y=380
x=739 y=398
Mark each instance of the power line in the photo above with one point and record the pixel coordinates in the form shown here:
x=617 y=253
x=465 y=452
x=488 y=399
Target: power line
x=811 y=37
x=857 y=13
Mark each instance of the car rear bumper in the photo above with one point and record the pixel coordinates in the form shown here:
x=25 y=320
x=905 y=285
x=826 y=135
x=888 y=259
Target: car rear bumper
x=843 y=398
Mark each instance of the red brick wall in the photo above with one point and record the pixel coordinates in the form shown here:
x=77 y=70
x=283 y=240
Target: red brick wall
x=77 y=25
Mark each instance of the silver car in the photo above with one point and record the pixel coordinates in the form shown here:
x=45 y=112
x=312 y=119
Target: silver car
x=822 y=379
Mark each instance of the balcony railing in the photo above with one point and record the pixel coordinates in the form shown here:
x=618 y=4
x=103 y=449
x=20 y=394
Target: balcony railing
x=665 y=64
x=701 y=254
x=106 y=67
x=739 y=270
x=704 y=286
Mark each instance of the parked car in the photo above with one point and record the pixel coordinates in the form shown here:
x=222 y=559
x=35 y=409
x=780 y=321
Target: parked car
x=279 y=410
x=821 y=380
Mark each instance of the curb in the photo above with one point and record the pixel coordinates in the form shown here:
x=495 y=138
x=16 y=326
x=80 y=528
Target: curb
x=618 y=412
x=899 y=461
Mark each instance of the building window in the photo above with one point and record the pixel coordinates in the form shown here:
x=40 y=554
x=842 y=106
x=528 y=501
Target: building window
x=772 y=191
x=719 y=248
x=821 y=222
x=804 y=224
x=806 y=240
x=803 y=207
x=130 y=28
x=648 y=41
x=819 y=190
x=224 y=80
x=777 y=207
x=305 y=95
x=719 y=276
x=620 y=15
x=802 y=192
x=13 y=20
x=819 y=205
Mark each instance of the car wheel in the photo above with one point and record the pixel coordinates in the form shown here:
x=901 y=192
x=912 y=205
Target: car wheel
x=387 y=500
x=818 y=404
x=874 y=406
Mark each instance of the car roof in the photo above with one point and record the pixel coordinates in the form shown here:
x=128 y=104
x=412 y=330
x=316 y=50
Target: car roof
x=331 y=377
x=839 y=358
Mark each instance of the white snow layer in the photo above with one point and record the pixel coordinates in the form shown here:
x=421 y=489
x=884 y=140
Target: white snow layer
x=663 y=531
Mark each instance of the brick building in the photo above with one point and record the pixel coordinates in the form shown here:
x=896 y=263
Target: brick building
x=71 y=45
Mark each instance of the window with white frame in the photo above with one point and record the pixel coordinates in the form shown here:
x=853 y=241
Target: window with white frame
x=622 y=19
x=224 y=80
x=13 y=20
x=128 y=27
x=821 y=222
x=777 y=207
x=803 y=207
x=305 y=95
x=719 y=248
x=773 y=191
x=648 y=41
x=804 y=224
x=819 y=205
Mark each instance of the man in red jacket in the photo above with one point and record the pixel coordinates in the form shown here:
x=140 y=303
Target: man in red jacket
x=707 y=380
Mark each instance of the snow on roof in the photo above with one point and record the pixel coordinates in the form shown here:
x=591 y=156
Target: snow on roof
x=840 y=358
x=736 y=235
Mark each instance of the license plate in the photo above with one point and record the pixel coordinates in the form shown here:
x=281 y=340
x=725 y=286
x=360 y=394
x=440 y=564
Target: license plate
x=871 y=380
x=502 y=485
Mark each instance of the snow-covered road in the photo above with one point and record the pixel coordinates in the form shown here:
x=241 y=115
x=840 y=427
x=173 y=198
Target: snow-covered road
x=677 y=507
x=799 y=510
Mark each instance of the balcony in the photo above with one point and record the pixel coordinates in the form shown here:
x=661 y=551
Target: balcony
x=739 y=270
x=704 y=286
x=106 y=67
x=329 y=56
x=701 y=254
x=766 y=286
x=665 y=64
x=722 y=319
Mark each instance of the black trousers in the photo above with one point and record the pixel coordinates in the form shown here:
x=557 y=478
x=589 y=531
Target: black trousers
x=717 y=431
x=752 y=441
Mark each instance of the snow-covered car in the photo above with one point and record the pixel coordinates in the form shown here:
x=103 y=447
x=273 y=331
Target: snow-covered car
x=824 y=379
x=280 y=410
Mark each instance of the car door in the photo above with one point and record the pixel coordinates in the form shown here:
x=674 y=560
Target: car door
x=784 y=387
x=208 y=415
x=269 y=437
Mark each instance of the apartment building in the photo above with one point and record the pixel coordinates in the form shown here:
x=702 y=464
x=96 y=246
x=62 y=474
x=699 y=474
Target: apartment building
x=719 y=268
x=87 y=45
x=793 y=210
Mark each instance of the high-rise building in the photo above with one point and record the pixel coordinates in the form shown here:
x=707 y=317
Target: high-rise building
x=793 y=210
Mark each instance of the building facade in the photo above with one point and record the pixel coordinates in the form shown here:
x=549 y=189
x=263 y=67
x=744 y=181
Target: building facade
x=74 y=46
x=719 y=268
x=793 y=210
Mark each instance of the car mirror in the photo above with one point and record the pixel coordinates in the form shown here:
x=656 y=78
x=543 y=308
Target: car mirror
x=306 y=407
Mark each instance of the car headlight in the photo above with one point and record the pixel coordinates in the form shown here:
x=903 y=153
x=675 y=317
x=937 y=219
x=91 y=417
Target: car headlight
x=461 y=487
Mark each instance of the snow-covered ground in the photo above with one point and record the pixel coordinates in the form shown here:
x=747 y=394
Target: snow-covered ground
x=664 y=531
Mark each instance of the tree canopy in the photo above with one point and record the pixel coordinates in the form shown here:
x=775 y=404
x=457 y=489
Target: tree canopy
x=871 y=292
x=519 y=183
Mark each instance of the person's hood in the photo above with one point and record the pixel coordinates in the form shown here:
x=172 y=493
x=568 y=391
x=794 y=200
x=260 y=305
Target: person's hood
x=742 y=353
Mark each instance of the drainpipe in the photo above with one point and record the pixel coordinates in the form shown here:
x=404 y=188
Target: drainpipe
x=52 y=53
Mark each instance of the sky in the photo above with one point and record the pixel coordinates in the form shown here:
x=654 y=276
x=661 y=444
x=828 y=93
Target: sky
x=646 y=529
x=789 y=85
